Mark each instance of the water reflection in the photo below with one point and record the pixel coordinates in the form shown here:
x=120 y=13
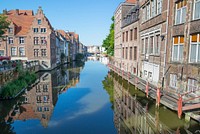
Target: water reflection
x=38 y=102
x=134 y=113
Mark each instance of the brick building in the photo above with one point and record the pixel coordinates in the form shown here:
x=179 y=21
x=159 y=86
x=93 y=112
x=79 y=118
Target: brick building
x=183 y=52
x=30 y=37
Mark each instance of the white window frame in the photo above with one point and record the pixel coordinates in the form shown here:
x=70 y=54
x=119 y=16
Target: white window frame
x=197 y=49
x=173 y=81
x=10 y=30
x=10 y=40
x=191 y=85
x=151 y=36
x=157 y=35
x=2 y=53
x=43 y=40
x=179 y=44
x=181 y=15
x=43 y=30
x=21 y=40
x=153 y=8
x=23 y=54
x=194 y=9
x=13 y=54
x=159 y=6
x=35 y=30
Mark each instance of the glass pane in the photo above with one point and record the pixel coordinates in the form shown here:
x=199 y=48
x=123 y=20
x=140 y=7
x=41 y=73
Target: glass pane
x=180 y=52
x=178 y=16
x=197 y=10
x=183 y=14
x=175 y=53
x=193 y=53
x=199 y=53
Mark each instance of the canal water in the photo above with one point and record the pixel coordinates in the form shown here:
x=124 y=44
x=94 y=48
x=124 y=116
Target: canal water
x=87 y=98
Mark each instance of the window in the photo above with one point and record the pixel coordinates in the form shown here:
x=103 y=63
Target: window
x=35 y=30
x=192 y=85
x=150 y=76
x=36 y=52
x=159 y=6
x=135 y=33
x=39 y=109
x=36 y=40
x=126 y=36
x=10 y=40
x=39 y=21
x=177 y=50
x=195 y=48
x=148 y=11
x=151 y=43
x=45 y=98
x=21 y=51
x=10 y=30
x=123 y=52
x=146 y=46
x=135 y=53
x=131 y=35
x=45 y=88
x=1 y=52
x=13 y=51
x=43 y=30
x=153 y=8
x=21 y=40
x=143 y=50
x=46 y=108
x=38 y=88
x=143 y=14
x=43 y=52
x=173 y=80
x=43 y=40
x=197 y=9
x=123 y=36
x=180 y=12
x=145 y=73
x=157 y=44
x=126 y=52
x=131 y=52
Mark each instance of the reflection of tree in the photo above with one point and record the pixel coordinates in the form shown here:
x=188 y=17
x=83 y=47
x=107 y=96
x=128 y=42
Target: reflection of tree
x=109 y=87
x=7 y=107
x=6 y=128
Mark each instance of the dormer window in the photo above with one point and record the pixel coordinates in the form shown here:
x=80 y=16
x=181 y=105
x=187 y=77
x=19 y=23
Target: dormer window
x=39 y=21
x=10 y=30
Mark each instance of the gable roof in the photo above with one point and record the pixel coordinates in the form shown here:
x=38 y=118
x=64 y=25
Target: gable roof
x=22 y=21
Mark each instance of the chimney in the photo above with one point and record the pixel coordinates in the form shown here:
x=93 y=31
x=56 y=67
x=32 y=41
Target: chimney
x=131 y=1
x=5 y=11
x=17 y=12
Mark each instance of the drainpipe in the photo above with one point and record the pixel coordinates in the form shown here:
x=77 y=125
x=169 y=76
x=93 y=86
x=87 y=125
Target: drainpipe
x=167 y=25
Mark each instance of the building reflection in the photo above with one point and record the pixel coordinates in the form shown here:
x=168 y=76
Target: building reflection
x=135 y=114
x=38 y=102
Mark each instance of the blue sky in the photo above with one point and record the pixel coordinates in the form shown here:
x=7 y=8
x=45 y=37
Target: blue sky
x=91 y=19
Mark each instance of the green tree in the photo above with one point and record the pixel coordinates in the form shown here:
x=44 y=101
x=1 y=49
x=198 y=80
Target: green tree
x=3 y=24
x=108 y=43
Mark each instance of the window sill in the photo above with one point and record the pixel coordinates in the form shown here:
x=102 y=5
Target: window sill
x=174 y=88
x=179 y=24
x=195 y=19
x=155 y=55
x=176 y=62
x=145 y=21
